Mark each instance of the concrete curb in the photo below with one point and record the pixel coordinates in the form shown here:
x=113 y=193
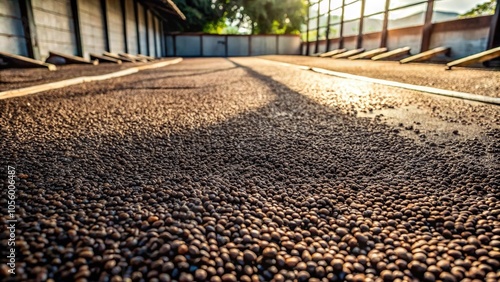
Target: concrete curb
x=78 y=80
x=426 y=89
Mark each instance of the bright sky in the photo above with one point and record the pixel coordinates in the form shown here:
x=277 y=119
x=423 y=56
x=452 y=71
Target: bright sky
x=373 y=6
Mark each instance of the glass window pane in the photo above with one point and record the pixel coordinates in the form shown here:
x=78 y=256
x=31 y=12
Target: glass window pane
x=352 y=11
x=313 y=10
x=446 y=10
x=374 y=6
x=313 y=23
x=323 y=7
x=401 y=3
x=372 y=24
x=334 y=31
x=351 y=28
x=412 y=16
x=334 y=4
x=322 y=33
x=335 y=16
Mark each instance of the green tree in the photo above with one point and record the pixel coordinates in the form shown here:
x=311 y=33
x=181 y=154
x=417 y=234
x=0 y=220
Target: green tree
x=487 y=8
x=257 y=16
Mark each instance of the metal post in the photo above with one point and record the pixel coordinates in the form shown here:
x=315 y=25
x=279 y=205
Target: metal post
x=494 y=37
x=124 y=18
x=250 y=45
x=307 y=29
x=328 y=26
x=383 y=37
x=76 y=27
x=137 y=29
x=146 y=20
x=277 y=44
x=154 y=37
x=226 y=50
x=427 y=29
x=201 y=45
x=316 y=49
x=104 y=10
x=29 y=29
x=359 y=43
x=341 y=38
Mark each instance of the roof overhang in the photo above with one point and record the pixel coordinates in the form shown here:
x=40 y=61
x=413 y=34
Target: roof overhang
x=164 y=6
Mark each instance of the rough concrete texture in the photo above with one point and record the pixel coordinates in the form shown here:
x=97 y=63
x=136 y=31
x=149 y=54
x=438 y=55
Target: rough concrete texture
x=212 y=170
x=479 y=81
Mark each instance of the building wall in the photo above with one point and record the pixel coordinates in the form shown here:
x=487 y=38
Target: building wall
x=131 y=30
x=54 y=26
x=92 y=27
x=12 y=38
x=115 y=26
x=142 y=30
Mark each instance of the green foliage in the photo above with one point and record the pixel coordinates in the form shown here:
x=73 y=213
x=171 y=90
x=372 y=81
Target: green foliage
x=487 y=8
x=228 y=16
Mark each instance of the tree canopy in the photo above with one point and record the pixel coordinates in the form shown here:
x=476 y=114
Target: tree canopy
x=235 y=16
x=486 y=8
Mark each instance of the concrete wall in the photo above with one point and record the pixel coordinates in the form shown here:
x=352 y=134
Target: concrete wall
x=151 y=35
x=115 y=25
x=371 y=41
x=410 y=36
x=92 y=26
x=464 y=37
x=142 y=30
x=237 y=45
x=54 y=26
x=12 y=38
x=131 y=31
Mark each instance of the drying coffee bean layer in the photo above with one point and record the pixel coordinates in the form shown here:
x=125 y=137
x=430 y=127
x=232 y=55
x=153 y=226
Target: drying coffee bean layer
x=246 y=170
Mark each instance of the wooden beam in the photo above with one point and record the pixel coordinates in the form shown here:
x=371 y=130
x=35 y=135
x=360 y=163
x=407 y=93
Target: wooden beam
x=68 y=59
x=29 y=29
x=307 y=33
x=149 y=58
x=476 y=58
x=123 y=7
x=328 y=26
x=369 y=54
x=147 y=29
x=341 y=32
x=133 y=57
x=359 y=40
x=385 y=24
x=316 y=49
x=118 y=57
x=17 y=61
x=137 y=30
x=427 y=28
x=332 y=53
x=427 y=55
x=391 y=54
x=104 y=59
x=494 y=36
x=349 y=53
x=104 y=11
x=76 y=27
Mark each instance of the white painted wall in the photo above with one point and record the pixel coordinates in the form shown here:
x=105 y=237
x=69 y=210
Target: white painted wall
x=115 y=25
x=92 y=27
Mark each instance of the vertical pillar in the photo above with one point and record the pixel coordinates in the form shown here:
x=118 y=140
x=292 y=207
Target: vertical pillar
x=494 y=37
x=427 y=29
x=341 y=38
x=154 y=37
x=29 y=29
x=123 y=7
x=316 y=49
x=226 y=50
x=250 y=45
x=383 y=37
x=201 y=45
x=307 y=28
x=76 y=26
x=277 y=44
x=328 y=26
x=146 y=21
x=137 y=28
x=104 y=10
x=359 y=42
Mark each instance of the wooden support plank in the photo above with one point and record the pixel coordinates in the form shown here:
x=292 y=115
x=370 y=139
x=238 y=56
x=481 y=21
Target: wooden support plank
x=394 y=53
x=62 y=59
x=349 y=53
x=385 y=23
x=104 y=59
x=368 y=54
x=132 y=57
x=29 y=29
x=117 y=57
x=476 y=58
x=17 y=61
x=104 y=9
x=76 y=26
x=149 y=58
x=427 y=55
x=332 y=53
x=427 y=28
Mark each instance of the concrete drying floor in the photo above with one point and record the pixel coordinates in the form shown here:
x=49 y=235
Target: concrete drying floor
x=244 y=169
